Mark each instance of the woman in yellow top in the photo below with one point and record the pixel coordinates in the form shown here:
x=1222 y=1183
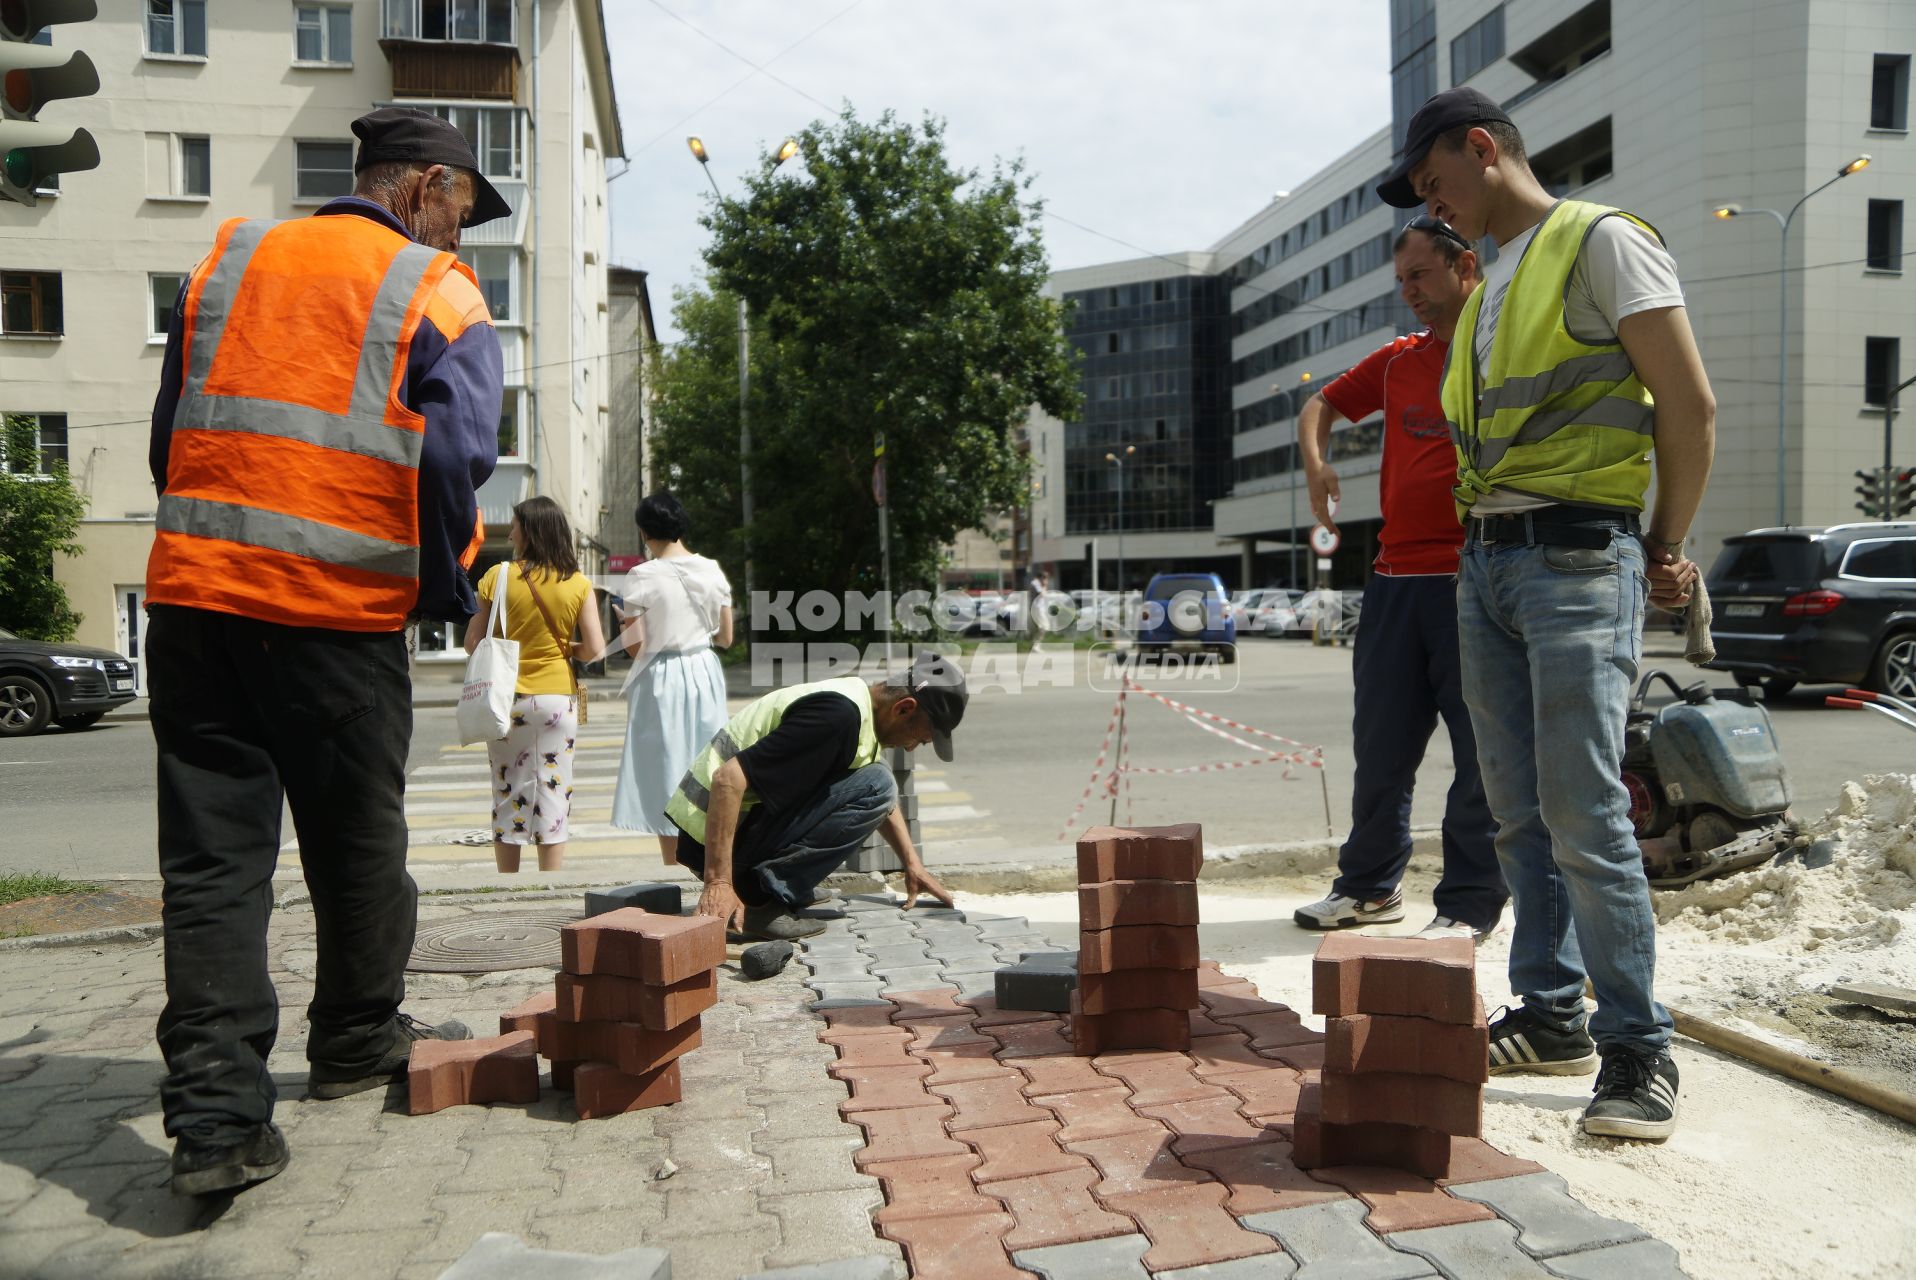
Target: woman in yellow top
x=532 y=764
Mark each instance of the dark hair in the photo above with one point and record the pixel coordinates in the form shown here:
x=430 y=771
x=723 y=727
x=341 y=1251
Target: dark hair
x=1509 y=141
x=662 y=517
x=548 y=538
x=1450 y=248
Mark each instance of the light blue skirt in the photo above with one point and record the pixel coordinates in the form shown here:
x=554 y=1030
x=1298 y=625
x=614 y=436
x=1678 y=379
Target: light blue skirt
x=673 y=709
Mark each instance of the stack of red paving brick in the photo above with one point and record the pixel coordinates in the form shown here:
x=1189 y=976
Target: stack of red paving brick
x=1406 y=1054
x=1137 y=938
x=625 y=1007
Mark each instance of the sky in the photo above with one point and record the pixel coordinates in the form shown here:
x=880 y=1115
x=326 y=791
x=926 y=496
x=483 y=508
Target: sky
x=1156 y=125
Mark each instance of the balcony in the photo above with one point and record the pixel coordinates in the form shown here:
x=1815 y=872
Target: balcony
x=504 y=490
x=452 y=48
x=510 y=230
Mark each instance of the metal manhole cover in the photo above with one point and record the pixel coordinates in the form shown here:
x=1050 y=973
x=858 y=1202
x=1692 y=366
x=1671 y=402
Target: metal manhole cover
x=484 y=944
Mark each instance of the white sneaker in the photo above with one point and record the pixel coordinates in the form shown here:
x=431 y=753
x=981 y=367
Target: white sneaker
x=1339 y=912
x=1445 y=927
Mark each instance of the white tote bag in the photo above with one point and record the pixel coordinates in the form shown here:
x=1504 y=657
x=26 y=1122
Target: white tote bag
x=492 y=676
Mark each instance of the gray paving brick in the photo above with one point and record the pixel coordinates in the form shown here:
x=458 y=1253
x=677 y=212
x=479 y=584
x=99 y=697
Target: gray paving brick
x=1331 y=1242
x=891 y=957
x=937 y=913
x=801 y=1165
x=1112 y=1258
x=656 y=896
x=1264 y=1266
x=832 y=944
x=1011 y=949
x=997 y=926
x=1038 y=983
x=839 y=995
x=1638 y=1260
x=966 y=958
x=981 y=982
x=869 y=1268
x=912 y=978
x=1471 y=1251
x=1548 y=1221
x=867 y=902
x=824 y=1225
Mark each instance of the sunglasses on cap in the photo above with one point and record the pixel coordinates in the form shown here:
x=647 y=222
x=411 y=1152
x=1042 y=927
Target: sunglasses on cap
x=1437 y=227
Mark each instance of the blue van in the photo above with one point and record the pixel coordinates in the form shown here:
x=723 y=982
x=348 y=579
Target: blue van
x=1188 y=611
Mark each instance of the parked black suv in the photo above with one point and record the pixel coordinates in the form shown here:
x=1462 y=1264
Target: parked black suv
x=1818 y=606
x=68 y=684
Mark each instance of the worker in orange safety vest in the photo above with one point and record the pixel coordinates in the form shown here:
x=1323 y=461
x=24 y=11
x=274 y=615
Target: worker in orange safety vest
x=329 y=406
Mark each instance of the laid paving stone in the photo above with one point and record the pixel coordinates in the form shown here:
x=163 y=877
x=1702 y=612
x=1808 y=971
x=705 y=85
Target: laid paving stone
x=1060 y=1075
x=886 y=1088
x=1156 y=1077
x=907 y=1134
x=1029 y=1039
x=873 y=1267
x=1057 y=1208
x=1548 y=1221
x=990 y=1015
x=965 y=1063
x=1137 y=1161
x=914 y=978
x=932 y=1034
x=1113 y=1258
x=990 y=926
x=1020 y=1151
x=877 y=932
x=819 y=1226
x=1474 y=1160
x=871 y=1018
x=1487 y=1249
x=1205 y=1124
x=931 y=1187
x=1096 y=1113
x=898 y=956
x=934 y=1001
x=873 y=1051
x=1189 y=1226
x=850 y=968
x=1265 y=1094
x=1401 y=1201
x=1261 y=1178
x=839 y=995
x=1267 y=1266
x=1638 y=1260
x=977 y=982
x=990 y=1103
x=968 y=1246
x=1331 y=1242
x=800 y=1165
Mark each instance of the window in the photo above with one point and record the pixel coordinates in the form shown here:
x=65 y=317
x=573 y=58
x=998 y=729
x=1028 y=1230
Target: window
x=484 y=21
x=1110 y=344
x=1880 y=365
x=509 y=422
x=493 y=133
x=30 y=303
x=195 y=167
x=498 y=272
x=1481 y=44
x=1885 y=235
x=163 y=290
x=322 y=170
x=176 y=28
x=323 y=33
x=1889 y=92
x=1886 y=558
x=49 y=443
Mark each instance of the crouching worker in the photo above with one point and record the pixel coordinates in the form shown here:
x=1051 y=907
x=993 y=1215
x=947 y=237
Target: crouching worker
x=794 y=783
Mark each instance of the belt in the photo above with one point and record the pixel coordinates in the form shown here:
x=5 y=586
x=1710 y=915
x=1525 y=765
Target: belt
x=1552 y=526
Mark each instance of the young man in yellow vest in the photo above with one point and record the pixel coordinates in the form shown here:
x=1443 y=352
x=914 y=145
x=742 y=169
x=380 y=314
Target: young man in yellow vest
x=795 y=782
x=1572 y=362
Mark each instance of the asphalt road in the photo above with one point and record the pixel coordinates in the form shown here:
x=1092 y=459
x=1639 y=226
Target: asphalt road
x=81 y=803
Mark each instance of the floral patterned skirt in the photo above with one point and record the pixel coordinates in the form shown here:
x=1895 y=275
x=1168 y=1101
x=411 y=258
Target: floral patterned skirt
x=532 y=771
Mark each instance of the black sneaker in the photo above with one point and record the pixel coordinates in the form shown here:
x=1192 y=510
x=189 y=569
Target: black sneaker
x=326 y=1081
x=1522 y=1041
x=204 y=1169
x=1636 y=1096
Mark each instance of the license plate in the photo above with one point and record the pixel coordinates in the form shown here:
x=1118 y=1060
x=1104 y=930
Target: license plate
x=1742 y=610
x=123 y=685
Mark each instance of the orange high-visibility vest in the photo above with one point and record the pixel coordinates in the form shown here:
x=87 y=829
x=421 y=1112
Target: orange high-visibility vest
x=292 y=477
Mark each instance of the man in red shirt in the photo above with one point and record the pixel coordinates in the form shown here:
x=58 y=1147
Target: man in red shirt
x=1406 y=669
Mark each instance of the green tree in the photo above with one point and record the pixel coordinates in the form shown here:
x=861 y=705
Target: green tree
x=39 y=515
x=889 y=293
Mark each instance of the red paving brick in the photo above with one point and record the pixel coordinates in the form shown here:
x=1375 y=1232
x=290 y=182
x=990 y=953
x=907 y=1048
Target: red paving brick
x=1156 y=1077
x=961 y=1248
x=450 y=1073
x=1202 y=1025
x=1272 y=1030
x=1206 y=1124
x=1210 y=974
x=1401 y=1201
x=989 y=1104
x=962 y=1063
x=1138 y=989
x=1315 y=1144
x=1139 y=1161
x=1020 y=1151
x=1224 y=1055
x=1474 y=1160
x=1057 y=1208
x=1373 y=1042
x=874 y=1051
x=632 y=1048
x=609 y=998
x=1162 y=1029
x=1305 y=1057
x=1230 y=1001
x=1141 y=853
x=1095 y=1113
x=933 y=1187
x=600 y=1089
x=990 y=1015
x=1267 y=1093
x=1120 y=902
x=1429 y=1102
x=1261 y=1178
x=885 y=1088
x=638 y=944
x=943 y=1033
x=856 y=1020
x=939 y=1002
x=1189 y=1226
x=1419 y=977
x=1138 y=946
x=1061 y=1075
x=906 y=1134
x=1031 y=1039
x=525 y=1015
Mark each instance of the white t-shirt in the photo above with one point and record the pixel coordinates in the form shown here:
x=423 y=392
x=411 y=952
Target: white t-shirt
x=1622 y=270
x=679 y=599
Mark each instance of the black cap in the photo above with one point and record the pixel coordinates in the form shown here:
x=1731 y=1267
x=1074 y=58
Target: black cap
x=940 y=689
x=1451 y=109
x=411 y=136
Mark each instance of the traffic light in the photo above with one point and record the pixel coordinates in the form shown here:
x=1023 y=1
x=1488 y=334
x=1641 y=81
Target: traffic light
x=1871 y=495
x=33 y=151
x=1902 y=493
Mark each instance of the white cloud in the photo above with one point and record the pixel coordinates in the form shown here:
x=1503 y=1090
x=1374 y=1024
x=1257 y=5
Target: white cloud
x=1162 y=124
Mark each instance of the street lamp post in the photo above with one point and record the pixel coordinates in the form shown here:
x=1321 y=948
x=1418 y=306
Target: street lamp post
x=786 y=151
x=1783 y=221
x=1118 y=462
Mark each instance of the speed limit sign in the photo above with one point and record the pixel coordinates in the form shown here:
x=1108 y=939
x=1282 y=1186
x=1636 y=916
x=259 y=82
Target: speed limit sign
x=1324 y=541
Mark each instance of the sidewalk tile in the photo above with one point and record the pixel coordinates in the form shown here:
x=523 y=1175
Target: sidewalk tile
x=1138 y=1161
x=955 y=1248
x=1401 y=1201
x=991 y=926
x=813 y=1164
x=1267 y=1093
x=1273 y=1030
x=944 y=1033
x=1156 y=1077
x=819 y=1226
x=990 y=1103
x=1020 y=1151
x=911 y=978
x=1548 y=1221
x=931 y=1187
x=873 y=1051
x=1096 y=1113
x=1205 y=1124
x=866 y=1267
x=1030 y=1039
x=850 y=993
x=963 y=1063
x=1264 y=1266
x=905 y=1135
x=886 y=1088
x=1474 y=1160
x=1638 y=1260
x=1261 y=1177
x=1470 y=1249
x=990 y=1015
x=898 y=955
x=1057 y=1208
x=857 y=1020
x=1189 y=1226
x=1303 y=1057
x=933 y=1002
x=1223 y=1055
x=1331 y=1240
x=1112 y=1258
x=1061 y=1075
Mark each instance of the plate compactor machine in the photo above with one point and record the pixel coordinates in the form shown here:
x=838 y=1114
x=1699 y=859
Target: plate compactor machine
x=1708 y=791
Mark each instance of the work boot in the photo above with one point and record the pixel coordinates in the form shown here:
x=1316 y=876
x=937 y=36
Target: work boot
x=326 y=1081
x=1636 y=1095
x=774 y=922
x=1523 y=1041
x=204 y=1169
x=1340 y=912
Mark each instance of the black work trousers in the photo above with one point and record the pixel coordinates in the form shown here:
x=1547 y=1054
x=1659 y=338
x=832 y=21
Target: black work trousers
x=246 y=713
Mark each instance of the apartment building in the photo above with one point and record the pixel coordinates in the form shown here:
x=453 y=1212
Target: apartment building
x=1676 y=113
x=210 y=109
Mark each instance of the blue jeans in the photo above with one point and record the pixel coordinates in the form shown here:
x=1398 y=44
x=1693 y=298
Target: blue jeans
x=1551 y=639
x=785 y=858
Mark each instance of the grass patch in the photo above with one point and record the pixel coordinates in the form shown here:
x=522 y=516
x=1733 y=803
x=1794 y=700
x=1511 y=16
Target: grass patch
x=17 y=886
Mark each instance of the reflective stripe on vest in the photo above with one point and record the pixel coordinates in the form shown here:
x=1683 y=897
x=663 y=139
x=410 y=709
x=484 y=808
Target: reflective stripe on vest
x=292 y=477
x=1551 y=416
x=693 y=799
